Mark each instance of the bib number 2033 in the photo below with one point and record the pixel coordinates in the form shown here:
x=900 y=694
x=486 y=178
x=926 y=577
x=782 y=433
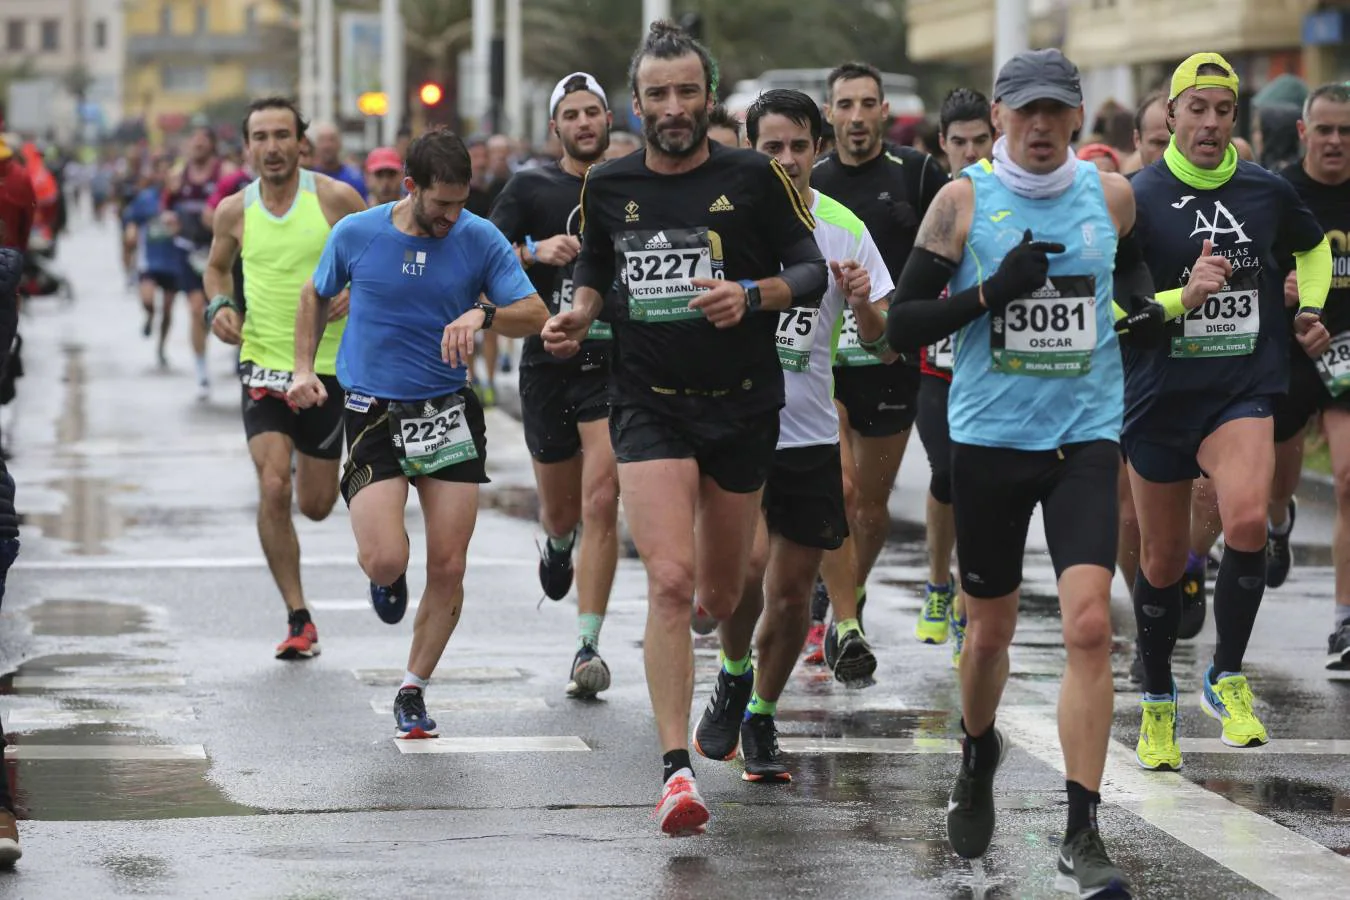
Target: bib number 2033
x=431 y=436
x=1226 y=324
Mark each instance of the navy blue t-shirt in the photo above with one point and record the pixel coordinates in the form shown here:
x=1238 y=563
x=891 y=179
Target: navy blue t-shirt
x=1237 y=345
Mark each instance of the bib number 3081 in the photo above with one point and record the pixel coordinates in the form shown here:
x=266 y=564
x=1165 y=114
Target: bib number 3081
x=1050 y=334
x=432 y=435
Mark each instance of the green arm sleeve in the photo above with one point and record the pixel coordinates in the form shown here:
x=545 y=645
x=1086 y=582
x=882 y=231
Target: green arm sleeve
x=1314 y=275
x=1119 y=313
x=1171 y=303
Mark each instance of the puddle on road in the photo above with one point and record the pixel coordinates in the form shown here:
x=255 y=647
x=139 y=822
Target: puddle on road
x=62 y=617
x=85 y=790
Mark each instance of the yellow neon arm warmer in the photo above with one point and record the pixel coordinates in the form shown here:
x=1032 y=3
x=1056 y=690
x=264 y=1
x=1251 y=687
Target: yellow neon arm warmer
x=1314 y=275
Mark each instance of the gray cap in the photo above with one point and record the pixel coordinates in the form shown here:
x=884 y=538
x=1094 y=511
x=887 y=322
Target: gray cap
x=1038 y=75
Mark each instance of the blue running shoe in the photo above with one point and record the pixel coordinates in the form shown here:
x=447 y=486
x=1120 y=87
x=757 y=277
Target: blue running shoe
x=410 y=716
x=390 y=602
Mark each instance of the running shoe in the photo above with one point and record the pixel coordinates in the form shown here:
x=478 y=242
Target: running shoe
x=410 y=716
x=719 y=729
x=958 y=627
x=9 y=551
x=590 y=675
x=1085 y=868
x=555 y=571
x=681 y=811
x=820 y=601
x=391 y=601
x=931 y=628
x=862 y=602
x=10 y=851
x=1230 y=701
x=854 y=662
x=1157 y=749
x=1279 y=555
x=813 y=653
x=1338 y=649
x=702 y=623
x=203 y=391
x=970 y=808
x=301 y=643
x=1193 y=603
x=759 y=746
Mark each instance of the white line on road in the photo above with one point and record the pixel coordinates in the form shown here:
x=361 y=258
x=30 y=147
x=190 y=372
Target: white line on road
x=541 y=744
x=105 y=751
x=1277 y=747
x=455 y=707
x=441 y=676
x=38 y=719
x=816 y=745
x=234 y=562
x=95 y=682
x=1268 y=855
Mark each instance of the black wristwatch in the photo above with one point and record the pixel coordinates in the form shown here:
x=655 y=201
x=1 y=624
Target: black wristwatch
x=488 y=313
x=752 y=298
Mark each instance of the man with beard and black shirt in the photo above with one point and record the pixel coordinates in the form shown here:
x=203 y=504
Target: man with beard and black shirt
x=564 y=404
x=1323 y=384
x=889 y=188
x=709 y=244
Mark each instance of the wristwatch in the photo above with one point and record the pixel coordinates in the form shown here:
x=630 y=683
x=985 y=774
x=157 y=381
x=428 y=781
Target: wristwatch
x=488 y=313
x=752 y=298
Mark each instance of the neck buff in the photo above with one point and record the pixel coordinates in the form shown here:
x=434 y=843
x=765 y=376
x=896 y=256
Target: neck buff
x=1029 y=185
x=1191 y=175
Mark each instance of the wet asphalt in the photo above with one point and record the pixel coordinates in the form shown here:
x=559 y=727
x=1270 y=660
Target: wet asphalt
x=158 y=750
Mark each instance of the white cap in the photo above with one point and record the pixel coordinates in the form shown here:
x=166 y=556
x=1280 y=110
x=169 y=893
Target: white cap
x=560 y=90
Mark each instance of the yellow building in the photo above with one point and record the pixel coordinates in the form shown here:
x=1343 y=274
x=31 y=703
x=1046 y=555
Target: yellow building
x=189 y=56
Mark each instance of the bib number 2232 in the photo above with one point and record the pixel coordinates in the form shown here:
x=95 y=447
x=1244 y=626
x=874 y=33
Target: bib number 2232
x=431 y=436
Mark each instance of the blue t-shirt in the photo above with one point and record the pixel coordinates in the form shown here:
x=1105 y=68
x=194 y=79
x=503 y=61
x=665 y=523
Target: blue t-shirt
x=404 y=291
x=155 y=250
x=347 y=175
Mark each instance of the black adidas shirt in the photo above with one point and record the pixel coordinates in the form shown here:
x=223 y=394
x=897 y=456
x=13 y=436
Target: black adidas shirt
x=541 y=203
x=734 y=217
x=1258 y=222
x=1330 y=205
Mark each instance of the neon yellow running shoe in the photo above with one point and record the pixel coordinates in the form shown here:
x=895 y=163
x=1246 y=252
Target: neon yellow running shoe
x=1230 y=701
x=1157 y=749
x=958 y=629
x=931 y=628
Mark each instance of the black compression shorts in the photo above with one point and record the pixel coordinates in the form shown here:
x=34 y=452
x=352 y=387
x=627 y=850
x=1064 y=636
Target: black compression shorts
x=936 y=435
x=804 y=496
x=881 y=401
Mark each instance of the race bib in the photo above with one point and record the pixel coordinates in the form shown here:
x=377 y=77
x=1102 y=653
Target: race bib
x=256 y=378
x=431 y=435
x=796 y=334
x=942 y=355
x=1050 y=334
x=1334 y=365
x=562 y=297
x=1227 y=324
x=849 y=351
x=659 y=269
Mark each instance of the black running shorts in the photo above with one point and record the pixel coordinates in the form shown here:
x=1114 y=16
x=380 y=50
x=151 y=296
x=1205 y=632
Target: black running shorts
x=315 y=432
x=881 y=401
x=936 y=435
x=736 y=454
x=804 y=496
x=553 y=401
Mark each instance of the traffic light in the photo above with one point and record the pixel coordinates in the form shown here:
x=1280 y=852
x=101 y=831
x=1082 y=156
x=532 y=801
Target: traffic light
x=430 y=93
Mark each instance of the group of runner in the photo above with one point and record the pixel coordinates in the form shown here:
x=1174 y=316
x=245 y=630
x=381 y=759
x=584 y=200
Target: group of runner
x=737 y=342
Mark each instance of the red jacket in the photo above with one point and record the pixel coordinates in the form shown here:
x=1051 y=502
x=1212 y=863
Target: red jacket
x=17 y=204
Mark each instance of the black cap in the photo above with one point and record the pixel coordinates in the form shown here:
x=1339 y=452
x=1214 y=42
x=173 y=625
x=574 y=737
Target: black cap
x=1038 y=75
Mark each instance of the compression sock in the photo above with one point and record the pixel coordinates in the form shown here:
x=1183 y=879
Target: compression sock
x=735 y=667
x=1238 y=590
x=844 y=627
x=979 y=753
x=588 y=629
x=675 y=761
x=1157 y=614
x=1082 y=809
x=758 y=706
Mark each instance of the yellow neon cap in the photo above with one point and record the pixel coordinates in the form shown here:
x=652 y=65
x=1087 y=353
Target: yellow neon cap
x=1188 y=75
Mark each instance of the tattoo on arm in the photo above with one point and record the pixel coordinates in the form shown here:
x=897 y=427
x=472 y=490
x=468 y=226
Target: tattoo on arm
x=937 y=232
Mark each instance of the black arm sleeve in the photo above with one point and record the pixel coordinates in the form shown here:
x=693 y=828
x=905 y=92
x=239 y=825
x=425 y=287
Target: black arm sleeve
x=918 y=315
x=805 y=273
x=1133 y=283
x=507 y=212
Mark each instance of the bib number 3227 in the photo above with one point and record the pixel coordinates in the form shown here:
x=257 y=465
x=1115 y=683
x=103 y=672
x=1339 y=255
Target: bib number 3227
x=432 y=435
x=659 y=269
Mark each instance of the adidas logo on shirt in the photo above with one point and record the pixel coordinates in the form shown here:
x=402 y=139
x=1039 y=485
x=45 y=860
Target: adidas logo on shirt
x=721 y=204
x=658 y=241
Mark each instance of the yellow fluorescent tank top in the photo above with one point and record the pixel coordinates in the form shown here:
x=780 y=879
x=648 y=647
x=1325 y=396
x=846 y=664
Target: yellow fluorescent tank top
x=280 y=253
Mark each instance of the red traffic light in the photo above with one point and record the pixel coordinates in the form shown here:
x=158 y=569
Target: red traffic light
x=430 y=93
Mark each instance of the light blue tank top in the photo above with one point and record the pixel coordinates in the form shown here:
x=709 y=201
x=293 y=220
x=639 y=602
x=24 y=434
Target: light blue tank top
x=1048 y=372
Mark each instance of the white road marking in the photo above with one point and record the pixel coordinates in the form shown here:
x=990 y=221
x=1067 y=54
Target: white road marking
x=1280 y=747
x=106 y=751
x=559 y=744
x=436 y=708
x=817 y=745
x=38 y=719
x=236 y=562
x=95 y=683
x=441 y=676
x=1267 y=854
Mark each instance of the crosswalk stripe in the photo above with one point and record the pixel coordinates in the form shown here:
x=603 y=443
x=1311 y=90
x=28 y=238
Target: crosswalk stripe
x=847 y=745
x=38 y=719
x=235 y=562
x=95 y=683
x=537 y=744
x=441 y=676
x=106 y=751
x=385 y=707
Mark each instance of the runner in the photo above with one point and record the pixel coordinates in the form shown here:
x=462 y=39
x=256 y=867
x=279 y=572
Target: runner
x=158 y=262
x=1214 y=231
x=1322 y=385
x=279 y=224
x=967 y=136
x=803 y=502
x=185 y=198
x=410 y=417
x=723 y=127
x=890 y=189
x=564 y=404
x=327 y=143
x=696 y=384
x=384 y=171
x=1035 y=414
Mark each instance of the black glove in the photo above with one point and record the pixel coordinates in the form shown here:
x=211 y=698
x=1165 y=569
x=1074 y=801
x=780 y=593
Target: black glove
x=1022 y=271
x=1146 y=328
x=11 y=272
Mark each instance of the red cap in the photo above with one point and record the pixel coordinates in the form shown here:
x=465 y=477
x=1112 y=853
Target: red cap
x=384 y=158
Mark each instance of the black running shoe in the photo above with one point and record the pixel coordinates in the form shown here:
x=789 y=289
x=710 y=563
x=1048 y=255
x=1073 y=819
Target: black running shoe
x=854 y=662
x=390 y=601
x=820 y=602
x=1279 y=555
x=1085 y=868
x=970 y=808
x=1193 y=604
x=719 y=730
x=1137 y=665
x=555 y=571
x=862 y=602
x=411 y=721
x=759 y=746
x=1338 y=649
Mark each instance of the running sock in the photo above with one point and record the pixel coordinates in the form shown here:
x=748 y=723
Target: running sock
x=845 y=627
x=673 y=762
x=758 y=706
x=299 y=617
x=1158 y=698
x=1342 y=615
x=859 y=593
x=588 y=629
x=1280 y=530
x=1082 y=809
x=201 y=369
x=979 y=753
x=1238 y=590
x=411 y=680
x=735 y=667
x=1196 y=562
x=1157 y=614
x=940 y=588
x=563 y=544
